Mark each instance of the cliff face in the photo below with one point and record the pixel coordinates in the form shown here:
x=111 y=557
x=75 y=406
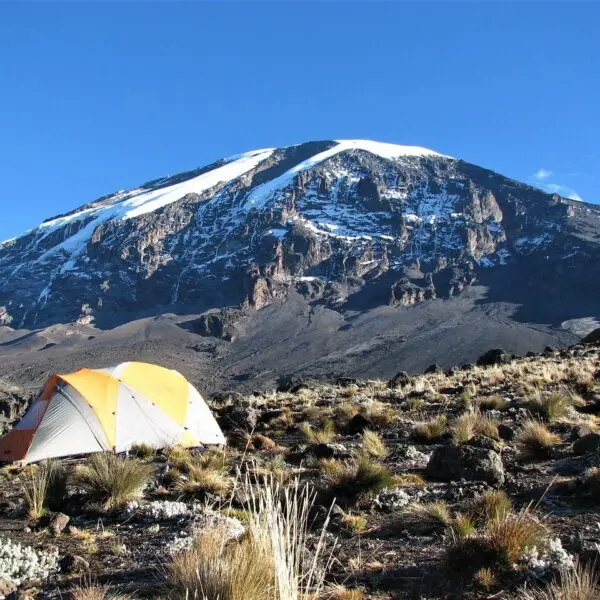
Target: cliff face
x=328 y=219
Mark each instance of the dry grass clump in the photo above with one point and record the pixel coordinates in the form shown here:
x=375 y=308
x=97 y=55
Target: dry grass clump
x=535 y=440
x=268 y=562
x=354 y=523
x=413 y=403
x=429 y=431
x=44 y=487
x=591 y=483
x=462 y=526
x=110 y=480
x=373 y=445
x=469 y=424
x=92 y=591
x=485 y=578
x=492 y=505
x=379 y=414
x=261 y=442
x=494 y=402
x=552 y=406
x=177 y=454
x=201 y=481
x=341 y=592
x=421 y=518
x=409 y=479
x=350 y=481
x=210 y=569
x=322 y=435
x=581 y=583
x=142 y=451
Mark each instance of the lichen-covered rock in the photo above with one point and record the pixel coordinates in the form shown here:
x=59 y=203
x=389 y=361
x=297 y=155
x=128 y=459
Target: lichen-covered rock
x=587 y=443
x=450 y=463
x=19 y=564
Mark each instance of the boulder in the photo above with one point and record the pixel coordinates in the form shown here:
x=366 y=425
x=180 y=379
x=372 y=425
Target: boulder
x=495 y=356
x=592 y=338
x=320 y=451
x=587 y=443
x=578 y=432
x=434 y=368
x=450 y=463
x=506 y=432
x=234 y=417
x=483 y=441
x=72 y=564
x=400 y=378
x=357 y=424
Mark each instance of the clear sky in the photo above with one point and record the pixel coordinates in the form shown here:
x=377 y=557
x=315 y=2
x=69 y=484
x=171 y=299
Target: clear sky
x=96 y=97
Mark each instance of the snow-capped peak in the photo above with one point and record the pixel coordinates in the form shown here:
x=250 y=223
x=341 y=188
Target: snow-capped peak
x=385 y=150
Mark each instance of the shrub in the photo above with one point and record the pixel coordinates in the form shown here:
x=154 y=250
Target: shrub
x=469 y=424
x=112 y=481
x=354 y=523
x=462 y=526
x=429 y=431
x=210 y=569
x=323 y=435
x=422 y=518
x=350 y=481
x=495 y=402
x=581 y=583
x=511 y=536
x=535 y=440
x=492 y=505
x=44 y=487
x=553 y=406
x=143 y=451
x=372 y=444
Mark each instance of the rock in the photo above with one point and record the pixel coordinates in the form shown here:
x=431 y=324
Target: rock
x=327 y=451
x=496 y=356
x=6 y=587
x=506 y=432
x=233 y=417
x=219 y=324
x=72 y=564
x=587 y=443
x=357 y=424
x=450 y=463
x=58 y=522
x=592 y=337
x=482 y=441
x=578 y=432
x=434 y=368
x=399 y=379
x=346 y=381
x=289 y=383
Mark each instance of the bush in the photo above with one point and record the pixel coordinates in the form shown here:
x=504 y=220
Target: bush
x=143 y=451
x=44 y=487
x=581 y=583
x=350 y=481
x=323 y=435
x=492 y=505
x=372 y=444
x=112 y=481
x=429 y=431
x=535 y=440
x=421 y=518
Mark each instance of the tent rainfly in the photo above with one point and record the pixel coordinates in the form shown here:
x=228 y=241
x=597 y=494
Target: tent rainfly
x=95 y=410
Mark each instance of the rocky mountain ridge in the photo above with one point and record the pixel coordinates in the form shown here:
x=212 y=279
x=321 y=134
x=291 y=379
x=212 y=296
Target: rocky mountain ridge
x=349 y=225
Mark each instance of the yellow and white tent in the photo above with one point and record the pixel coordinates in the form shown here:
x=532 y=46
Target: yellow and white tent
x=94 y=410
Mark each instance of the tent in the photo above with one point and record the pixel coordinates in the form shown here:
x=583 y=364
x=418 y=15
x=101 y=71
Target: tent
x=112 y=409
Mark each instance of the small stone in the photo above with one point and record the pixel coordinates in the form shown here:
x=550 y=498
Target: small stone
x=73 y=563
x=506 y=432
x=6 y=587
x=587 y=443
x=58 y=522
x=578 y=432
x=320 y=451
x=358 y=424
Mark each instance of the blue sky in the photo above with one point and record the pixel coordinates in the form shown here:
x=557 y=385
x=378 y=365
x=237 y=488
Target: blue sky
x=97 y=97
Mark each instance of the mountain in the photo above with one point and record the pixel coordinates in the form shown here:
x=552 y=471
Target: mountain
x=353 y=240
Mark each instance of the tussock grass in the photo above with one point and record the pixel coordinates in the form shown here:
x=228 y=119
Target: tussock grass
x=349 y=481
x=430 y=431
x=93 y=591
x=469 y=424
x=462 y=526
x=379 y=414
x=552 y=406
x=591 y=483
x=142 y=451
x=408 y=479
x=44 y=487
x=486 y=578
x=341 y=592
x=372 y=444
x=210 y=569
x=494 y=402
x=581 y=583
x=110 y=480
x=421 y=518
x=322 y=435
x=413 y=404
x=492 y=505
x=354 y=523
x=535 y=440
x=201 y=481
